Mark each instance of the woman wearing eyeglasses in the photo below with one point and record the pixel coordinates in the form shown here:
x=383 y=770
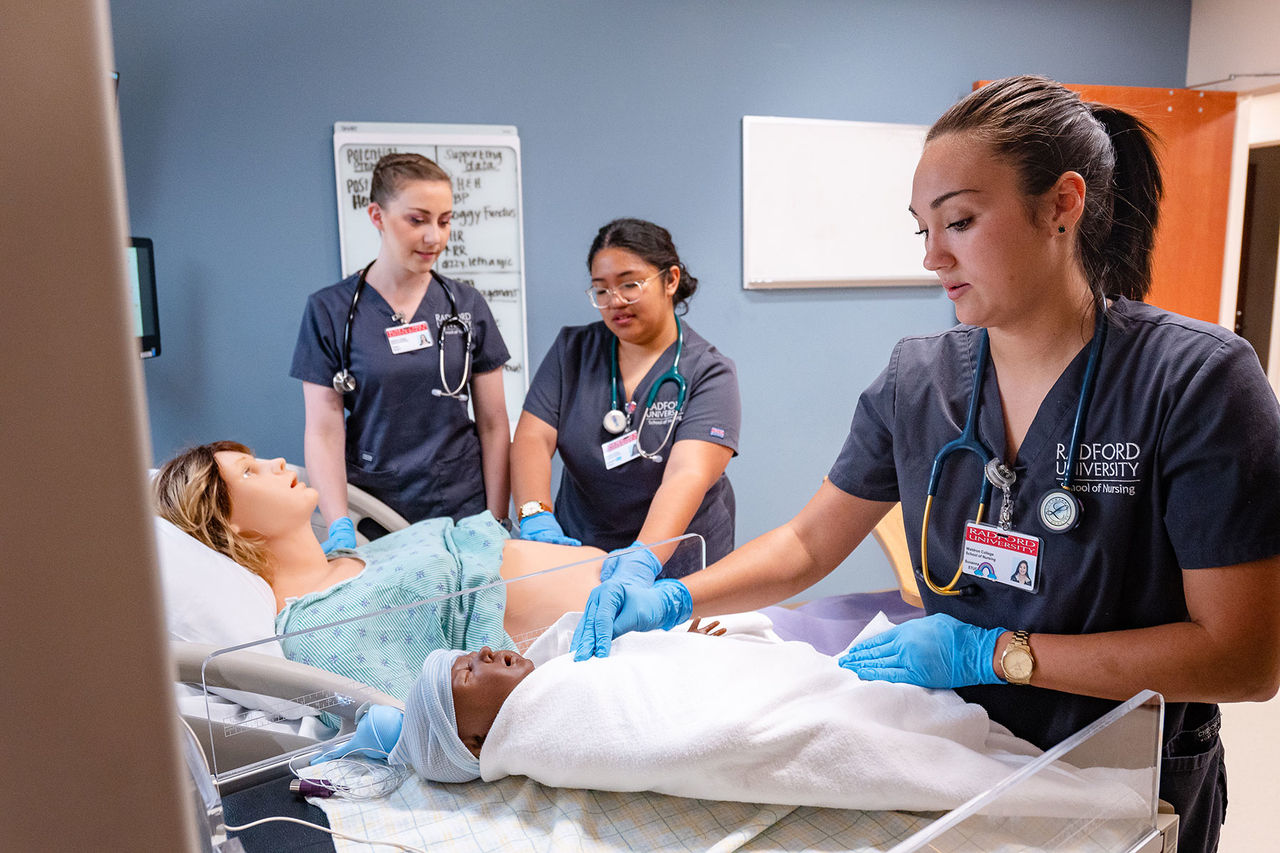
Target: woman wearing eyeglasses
x=643 y=411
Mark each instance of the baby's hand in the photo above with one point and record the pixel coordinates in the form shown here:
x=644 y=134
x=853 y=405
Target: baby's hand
x=709 y=630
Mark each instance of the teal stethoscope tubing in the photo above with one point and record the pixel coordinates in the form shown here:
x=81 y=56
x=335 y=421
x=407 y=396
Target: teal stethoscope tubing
x=968 y=440
x=672 y=374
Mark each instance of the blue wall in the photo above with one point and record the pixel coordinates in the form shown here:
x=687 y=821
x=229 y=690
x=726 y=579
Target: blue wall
x=622 y=108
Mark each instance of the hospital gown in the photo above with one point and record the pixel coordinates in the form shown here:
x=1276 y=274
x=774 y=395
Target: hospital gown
x=424 y=561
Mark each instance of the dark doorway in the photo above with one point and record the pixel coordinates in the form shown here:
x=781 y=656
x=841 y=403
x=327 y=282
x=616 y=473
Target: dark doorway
x=1255 y=299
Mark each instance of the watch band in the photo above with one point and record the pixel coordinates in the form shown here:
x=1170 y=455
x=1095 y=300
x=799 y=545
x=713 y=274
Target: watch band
x=1017 y=662
x=529 y=508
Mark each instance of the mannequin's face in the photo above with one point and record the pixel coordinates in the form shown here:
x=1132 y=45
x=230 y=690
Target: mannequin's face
x=481 y=682
x=266 y=497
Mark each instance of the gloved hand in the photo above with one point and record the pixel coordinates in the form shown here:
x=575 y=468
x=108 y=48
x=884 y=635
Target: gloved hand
x=375 y=737
x=342 y=534
x=543 y=527
x=934 y=651
x=616 y=607
x=635 y=567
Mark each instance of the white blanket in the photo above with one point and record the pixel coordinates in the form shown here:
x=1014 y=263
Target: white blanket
x=752 y=719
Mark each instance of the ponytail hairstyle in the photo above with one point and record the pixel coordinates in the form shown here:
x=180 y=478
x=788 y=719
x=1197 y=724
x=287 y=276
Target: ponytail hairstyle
x=190 y=494
x=1045 y=130
x=653 y=245
x=393 y=171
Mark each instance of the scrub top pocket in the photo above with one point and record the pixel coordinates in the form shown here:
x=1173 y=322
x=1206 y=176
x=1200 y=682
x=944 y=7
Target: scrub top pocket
x=372 y=480
x=458 y=485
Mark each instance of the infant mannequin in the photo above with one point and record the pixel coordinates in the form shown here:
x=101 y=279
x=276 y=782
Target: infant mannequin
x=451 y=706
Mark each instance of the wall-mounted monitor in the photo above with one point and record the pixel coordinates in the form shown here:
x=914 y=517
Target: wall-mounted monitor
x=142 y=271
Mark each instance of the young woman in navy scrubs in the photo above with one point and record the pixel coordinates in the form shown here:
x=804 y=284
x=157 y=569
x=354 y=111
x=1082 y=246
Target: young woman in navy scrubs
x=611 y=493
x=403 y=432
x=1038 y=215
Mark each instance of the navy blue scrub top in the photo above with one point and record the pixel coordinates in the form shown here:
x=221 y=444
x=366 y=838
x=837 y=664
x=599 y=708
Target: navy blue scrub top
x=1178 y=469
x=414 y=451
x=607 y=508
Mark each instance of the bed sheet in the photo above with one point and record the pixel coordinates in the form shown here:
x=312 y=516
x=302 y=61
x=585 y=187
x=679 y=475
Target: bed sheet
x=517 y=814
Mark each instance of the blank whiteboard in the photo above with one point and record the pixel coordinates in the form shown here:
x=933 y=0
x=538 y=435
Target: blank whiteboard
x=824 y=203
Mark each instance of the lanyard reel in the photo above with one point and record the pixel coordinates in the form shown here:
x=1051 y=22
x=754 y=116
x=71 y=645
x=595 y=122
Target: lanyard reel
x=1059 y=508
x=344 y=381
x=615 y=420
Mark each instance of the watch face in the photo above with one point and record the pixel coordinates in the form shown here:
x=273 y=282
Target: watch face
x=1059 y=510
x=1017 y=665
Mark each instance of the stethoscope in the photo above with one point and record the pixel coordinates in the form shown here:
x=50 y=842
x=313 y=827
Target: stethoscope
x=1059 y=507
x=344 y=382
x=615 y=421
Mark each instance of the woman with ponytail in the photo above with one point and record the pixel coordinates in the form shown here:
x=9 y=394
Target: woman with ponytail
x=1134 y=454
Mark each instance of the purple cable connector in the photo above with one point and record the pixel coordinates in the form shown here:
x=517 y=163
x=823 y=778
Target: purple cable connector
x=309 y=788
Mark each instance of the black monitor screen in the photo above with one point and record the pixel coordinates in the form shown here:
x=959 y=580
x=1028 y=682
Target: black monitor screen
x=142 y=271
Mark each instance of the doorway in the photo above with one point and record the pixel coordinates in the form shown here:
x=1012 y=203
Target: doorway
x=1259 y=250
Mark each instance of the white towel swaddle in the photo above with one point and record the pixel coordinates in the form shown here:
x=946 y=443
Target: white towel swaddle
x=771 y=722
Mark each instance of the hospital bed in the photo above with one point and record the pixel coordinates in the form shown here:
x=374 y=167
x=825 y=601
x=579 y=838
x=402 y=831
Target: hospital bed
x=249 y=752
x=518 y=814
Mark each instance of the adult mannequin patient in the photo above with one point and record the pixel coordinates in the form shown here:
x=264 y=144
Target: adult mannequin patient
x=746 y=717
x=258 y=513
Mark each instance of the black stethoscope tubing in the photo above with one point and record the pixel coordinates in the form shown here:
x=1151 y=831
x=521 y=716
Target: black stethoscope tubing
x=344 y=382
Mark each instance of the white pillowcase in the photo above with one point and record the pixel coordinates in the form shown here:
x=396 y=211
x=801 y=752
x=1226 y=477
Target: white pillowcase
x=209 y=598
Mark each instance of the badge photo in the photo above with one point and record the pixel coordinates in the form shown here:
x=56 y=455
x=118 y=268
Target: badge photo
x=1003 y=556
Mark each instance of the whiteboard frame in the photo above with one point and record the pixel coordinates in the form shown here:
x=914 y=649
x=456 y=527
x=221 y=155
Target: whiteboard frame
x=413 y=133
x=751 y=278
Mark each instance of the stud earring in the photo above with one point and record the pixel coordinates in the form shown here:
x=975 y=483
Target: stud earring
x=1062 y=229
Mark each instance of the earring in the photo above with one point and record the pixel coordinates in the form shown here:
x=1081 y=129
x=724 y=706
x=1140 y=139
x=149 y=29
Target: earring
x=1062 y=229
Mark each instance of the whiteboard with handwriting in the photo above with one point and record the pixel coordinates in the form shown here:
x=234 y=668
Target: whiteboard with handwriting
x=486 y=245
x=824 y=203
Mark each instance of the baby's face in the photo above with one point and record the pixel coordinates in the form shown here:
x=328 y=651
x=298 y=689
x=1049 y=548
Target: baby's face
x=481 y=682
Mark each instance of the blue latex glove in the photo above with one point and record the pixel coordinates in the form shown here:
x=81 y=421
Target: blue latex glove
x=375 y=737
x=543 y=527
x=934 y=651
x=635 y=567
x=616 y=607
x=342 y=534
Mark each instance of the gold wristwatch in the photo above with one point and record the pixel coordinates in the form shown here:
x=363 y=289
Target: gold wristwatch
x=1017 y=662
x=529 y=508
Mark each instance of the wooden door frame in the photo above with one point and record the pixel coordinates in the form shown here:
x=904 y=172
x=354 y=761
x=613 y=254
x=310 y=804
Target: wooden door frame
x=1257 y=125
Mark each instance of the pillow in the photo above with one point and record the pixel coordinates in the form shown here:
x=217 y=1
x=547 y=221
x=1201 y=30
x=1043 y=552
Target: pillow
x=209 y=598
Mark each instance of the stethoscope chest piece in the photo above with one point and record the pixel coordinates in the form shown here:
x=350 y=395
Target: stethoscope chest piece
x=344 y=382
x=615 y=421
x=1059 y=510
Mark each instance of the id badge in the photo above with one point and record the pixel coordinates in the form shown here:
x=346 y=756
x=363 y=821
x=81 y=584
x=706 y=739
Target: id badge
x=621 y=450
x=409 y=337
x=1003 y=556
